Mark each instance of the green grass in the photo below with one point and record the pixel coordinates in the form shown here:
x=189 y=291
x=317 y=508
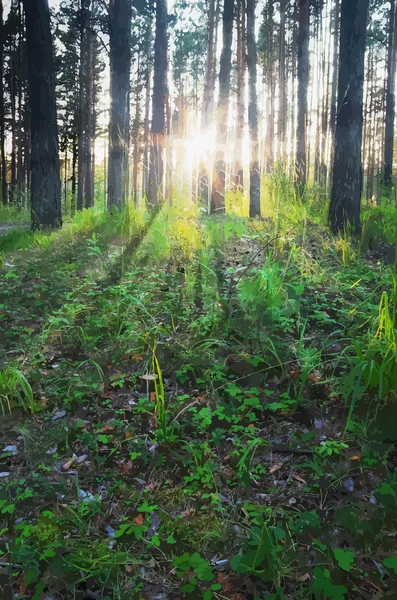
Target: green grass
x=203 y=407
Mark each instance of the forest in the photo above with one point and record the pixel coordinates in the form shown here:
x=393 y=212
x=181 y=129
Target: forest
x=198 y=299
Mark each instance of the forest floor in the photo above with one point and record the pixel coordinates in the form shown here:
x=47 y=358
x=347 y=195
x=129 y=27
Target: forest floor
x=196 y=407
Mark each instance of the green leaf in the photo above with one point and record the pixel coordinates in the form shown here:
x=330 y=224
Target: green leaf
x=171 y=539
x=344 y=558
x=391 y=563
x=207 y=595
x=30 y=577
x=385 y=489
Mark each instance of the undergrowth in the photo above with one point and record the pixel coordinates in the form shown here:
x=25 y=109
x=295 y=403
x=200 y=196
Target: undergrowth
x=198 y=407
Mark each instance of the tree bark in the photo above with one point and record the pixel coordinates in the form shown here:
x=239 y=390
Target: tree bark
x=347 y=180
x=238 y=172
x=303 y=83
x=334 y=80
x=255 y=181
x=219 y=176
x=282 y=115
x=390 y=95
x=3 y=163
x=160 y=93
x=120 y=65
x=209 y=86
x=46 y=181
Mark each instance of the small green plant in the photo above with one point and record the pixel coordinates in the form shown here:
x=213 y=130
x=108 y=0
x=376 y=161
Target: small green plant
x=15 y=388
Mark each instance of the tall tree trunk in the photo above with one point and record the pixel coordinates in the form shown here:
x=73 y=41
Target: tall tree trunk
x=219 y=176
x=137 y=137
x=255 y=181
x=209 y=86
x=85 y=193
x=303 y=83
x=90 y=118
x=335 y=71
x=347 y=180
x=46 y=181
x=3 y=163
x=13 y=180
x=74 y=177
x=146 y=136
x=160 y=93
x=270 y=88
x=238 y=172
x=390 y=94
x=282 y=115
x=120 y=65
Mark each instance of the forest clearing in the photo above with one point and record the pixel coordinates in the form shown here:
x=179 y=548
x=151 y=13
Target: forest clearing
x=198 y=300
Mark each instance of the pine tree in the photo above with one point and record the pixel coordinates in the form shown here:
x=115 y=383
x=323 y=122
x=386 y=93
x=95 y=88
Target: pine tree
x=46 y=184
x=303 y=82
x=160 y=93
x=347 y=175
x=255 y=182
x=219 y=176
x=120 y=66
x=391 y=94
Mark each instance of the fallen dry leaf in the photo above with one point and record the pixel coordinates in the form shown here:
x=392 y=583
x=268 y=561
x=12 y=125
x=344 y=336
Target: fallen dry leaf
x=299 y=478
x=68 y=464
x=276 y=467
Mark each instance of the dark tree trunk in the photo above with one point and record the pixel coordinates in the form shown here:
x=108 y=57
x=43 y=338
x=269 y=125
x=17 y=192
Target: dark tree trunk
x=255 y=180
x=13 y=179
x=282 y=115
x=334 y=80
x=137 y=137
x=160 y=93
x=238 y=174
x=2 y=120
x=270 y=91
x=219 y=176
x=347 y=181
x=390 y=95
x=90 y=116
x=209 y=86
x=46 y=181
x=303 y=82
x=120 y=65
x=146 y=136
x=85 y=193
x=74 y=177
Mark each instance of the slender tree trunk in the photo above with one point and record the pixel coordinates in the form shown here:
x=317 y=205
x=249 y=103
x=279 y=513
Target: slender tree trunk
x=209 y=86
x=303 y=83
x=219 y=176
x=120 y=65
x=255 y=181
x=2 y=119
x=74 y=177
x=347 y=179
x=13 y=130
x=390 y=95
x=82 y=157
x=282 y=116
x=270 y=88
x=89 y=112
x=335 y=71
x=46 y=181
x=238 y=172
x=137 y=120
x=160 y=93
x=146 y=133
